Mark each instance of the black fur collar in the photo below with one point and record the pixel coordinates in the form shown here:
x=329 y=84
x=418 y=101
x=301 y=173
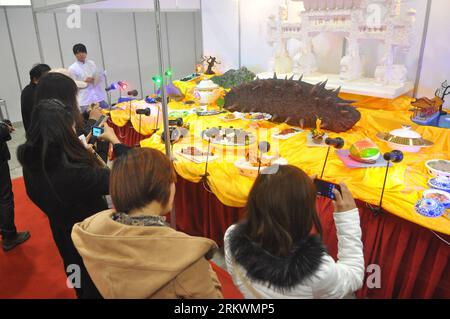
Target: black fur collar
x=281 y=273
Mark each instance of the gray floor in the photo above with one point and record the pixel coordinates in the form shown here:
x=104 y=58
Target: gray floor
x=18 y=138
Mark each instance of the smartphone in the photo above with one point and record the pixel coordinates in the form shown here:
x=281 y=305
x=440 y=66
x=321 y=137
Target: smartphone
x=101 y=121
x=325 y=188
x=97 y=131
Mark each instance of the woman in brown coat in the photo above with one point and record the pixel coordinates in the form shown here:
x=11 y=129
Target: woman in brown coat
x=130 y=252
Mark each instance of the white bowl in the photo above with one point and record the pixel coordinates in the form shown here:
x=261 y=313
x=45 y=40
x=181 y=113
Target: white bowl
x=404 y=148
x=405 y=140
x=435 y=172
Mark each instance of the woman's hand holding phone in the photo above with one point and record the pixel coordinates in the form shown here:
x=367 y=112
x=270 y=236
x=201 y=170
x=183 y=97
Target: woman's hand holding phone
x=109 y=135
x=344 y=199
x=95 y=113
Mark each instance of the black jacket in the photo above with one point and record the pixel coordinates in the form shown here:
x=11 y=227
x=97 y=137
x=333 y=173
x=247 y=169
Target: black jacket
x=68 y=195
x=27 y=103
x=4 y=137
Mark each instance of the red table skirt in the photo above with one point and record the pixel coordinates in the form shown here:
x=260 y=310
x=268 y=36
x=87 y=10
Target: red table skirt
x=127 y=134
x=414 y=262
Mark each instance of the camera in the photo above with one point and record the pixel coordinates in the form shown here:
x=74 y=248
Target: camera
x=7 y=122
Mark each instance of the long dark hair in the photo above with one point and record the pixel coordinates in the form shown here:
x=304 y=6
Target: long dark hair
x=58 y=86
x=281 y=210
x=52 y=139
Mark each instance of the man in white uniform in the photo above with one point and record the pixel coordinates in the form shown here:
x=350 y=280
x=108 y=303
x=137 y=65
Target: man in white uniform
x=86 y=70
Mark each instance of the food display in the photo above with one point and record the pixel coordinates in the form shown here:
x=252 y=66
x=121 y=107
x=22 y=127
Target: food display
x=439 y=168
x=193 y=151
x=179 y=113
x=207 y=92
x=233 y=78
x=265 y=159
x=426 y=110
x=405 y=140
x=440 y=196
x=257 y=116
x=287 y=133
x=201 y=112
x=295 y=102
x=191 y=77
x=317 y=137
x=365 y=151
x=228 y=136
x=249 y=166
x=196 y=155
x=317 y=134
x=230 y=117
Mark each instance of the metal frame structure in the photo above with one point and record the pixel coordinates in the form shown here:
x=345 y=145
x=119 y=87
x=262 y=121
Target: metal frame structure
x=165 y=110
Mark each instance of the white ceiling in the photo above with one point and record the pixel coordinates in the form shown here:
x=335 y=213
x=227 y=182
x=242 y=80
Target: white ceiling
x=15 y=2
x=116 y=5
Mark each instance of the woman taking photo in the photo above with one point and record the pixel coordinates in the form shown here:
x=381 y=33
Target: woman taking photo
x=63 y=178
x=57 y=84
x=277 y=251
x=130 y=252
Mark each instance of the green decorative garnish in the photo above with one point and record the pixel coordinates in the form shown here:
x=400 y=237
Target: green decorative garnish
x=233 y=78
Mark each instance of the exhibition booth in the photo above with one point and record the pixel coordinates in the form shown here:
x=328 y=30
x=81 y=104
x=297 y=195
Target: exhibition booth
x=332 y=87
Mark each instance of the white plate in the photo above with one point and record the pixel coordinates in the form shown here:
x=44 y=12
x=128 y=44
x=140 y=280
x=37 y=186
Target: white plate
x=287 y=136
x=266 y=116
x=197 y=159
x=227 y=142
x=237 y=116
x=440 y=185
x=246 y=169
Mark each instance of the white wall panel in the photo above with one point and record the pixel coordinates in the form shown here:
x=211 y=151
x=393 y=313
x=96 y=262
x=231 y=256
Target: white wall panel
x=119 y=48
x=182 y=43
x=148 y=52
x=220 y=31
x=24 y=41
x=86 y=34
x=198 y=34
x=436 y=62
x=255 y=50
x=49 y=39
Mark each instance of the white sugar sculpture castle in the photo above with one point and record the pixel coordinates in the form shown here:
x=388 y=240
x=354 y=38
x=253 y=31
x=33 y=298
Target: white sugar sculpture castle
x=381 y=20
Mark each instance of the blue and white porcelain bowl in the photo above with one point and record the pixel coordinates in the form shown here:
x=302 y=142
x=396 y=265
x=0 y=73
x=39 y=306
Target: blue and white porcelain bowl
x=441 y=184
x=429 y=207
x=441 y=196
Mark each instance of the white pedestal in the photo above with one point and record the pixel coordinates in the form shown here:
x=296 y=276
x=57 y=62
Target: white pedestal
x=364 y=86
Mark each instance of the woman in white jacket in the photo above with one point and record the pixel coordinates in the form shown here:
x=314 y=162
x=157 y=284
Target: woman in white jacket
x=277 y=251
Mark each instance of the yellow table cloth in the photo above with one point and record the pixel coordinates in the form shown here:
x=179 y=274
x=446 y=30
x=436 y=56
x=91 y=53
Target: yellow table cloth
x=406 y=183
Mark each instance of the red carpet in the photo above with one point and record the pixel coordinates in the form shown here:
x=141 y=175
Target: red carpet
x=35 y=269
